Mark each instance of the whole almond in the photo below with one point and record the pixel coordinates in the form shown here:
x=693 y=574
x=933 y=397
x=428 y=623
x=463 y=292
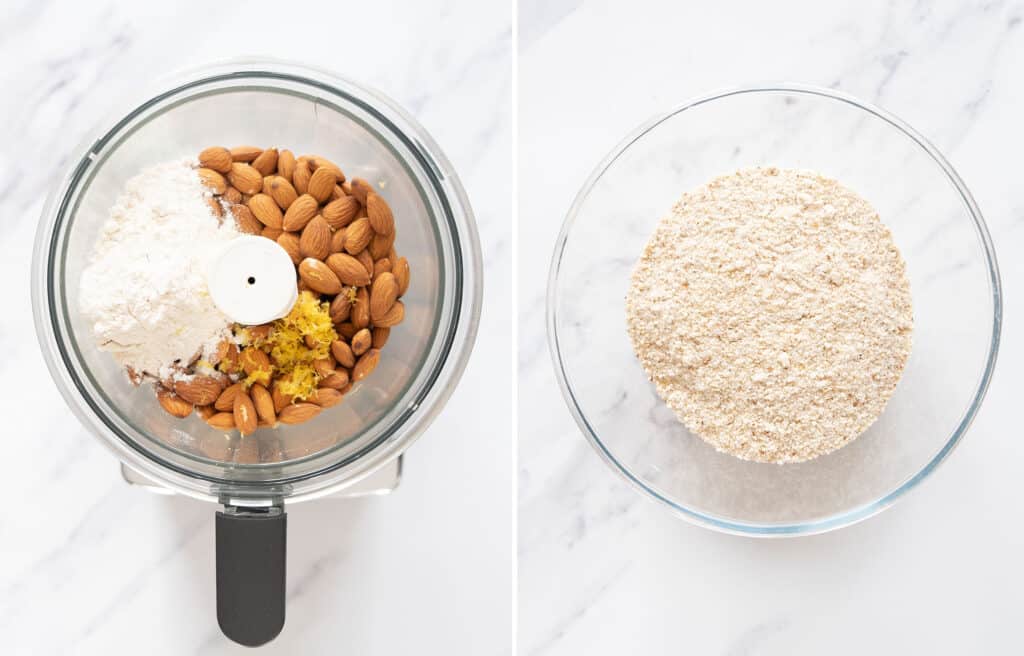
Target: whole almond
x=205 y=411
x=349 y=270
x=215 y=206
x=289 y=241
x=213 y=181
x=392 y=317
x=383 y=265
x=300 y=212
x=216 y=158
x=381 y=244
x=342 y=352
x=360 y=189
x=361 y=309
x=319 y=276
x=315 y=241
x=173 y=404
x=231 y=362
x=245 y=220
x=226 y=401
x=286 y=164
x=232 y=195
x=361 y=342
x=325 y=397
x=365 y=365
x=223 y=420
x=271 y=233
x=324 y=366
x=321 y=184
x=317 y=162
x=392 y=255
x=260 y=332
x=380 y=336
x=255 y=362
x=264 y=403
x=337 y=380
x=301 y=176
x=338 y=192
x=266 y=162
x=341 y=211
x=245 y=153
x=358 y=235
x=267 y=180
x=401 y=270
x=281 y=400
x=245 y=413
x=245 y=178
x=282 y=192
x=341 y=307
x=383 y=294
x=381 y=218
x=338 y=240
x=297 y=413
x=200 y=390
x=266 y=210
x=366 y=260
x=346 y=329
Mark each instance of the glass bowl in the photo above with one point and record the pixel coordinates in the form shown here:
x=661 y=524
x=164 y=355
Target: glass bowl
x=935 y=223
x=307 y=111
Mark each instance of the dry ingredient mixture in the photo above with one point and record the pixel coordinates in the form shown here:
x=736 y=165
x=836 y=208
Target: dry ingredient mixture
x=146 y=292
x=772 y=311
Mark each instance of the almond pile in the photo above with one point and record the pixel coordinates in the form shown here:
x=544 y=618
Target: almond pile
x=340 y=234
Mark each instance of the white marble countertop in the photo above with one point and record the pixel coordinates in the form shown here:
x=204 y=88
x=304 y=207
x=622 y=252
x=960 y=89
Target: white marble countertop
x=91 y=565
x=602 y=570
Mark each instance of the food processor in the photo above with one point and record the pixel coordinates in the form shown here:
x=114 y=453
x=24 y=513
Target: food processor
x=352 y=448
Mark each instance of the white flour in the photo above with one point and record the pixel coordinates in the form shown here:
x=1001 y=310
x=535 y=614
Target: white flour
x=145 y=288
x=772 y=310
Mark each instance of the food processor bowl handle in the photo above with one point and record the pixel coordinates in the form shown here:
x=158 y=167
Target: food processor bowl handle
x=251 y=573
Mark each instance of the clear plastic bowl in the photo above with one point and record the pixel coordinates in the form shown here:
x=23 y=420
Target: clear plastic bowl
x=954 y=281
x=307 y=111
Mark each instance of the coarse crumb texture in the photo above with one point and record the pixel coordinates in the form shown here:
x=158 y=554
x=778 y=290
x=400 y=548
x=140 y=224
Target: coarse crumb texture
x=145 y=287
x=772 y=311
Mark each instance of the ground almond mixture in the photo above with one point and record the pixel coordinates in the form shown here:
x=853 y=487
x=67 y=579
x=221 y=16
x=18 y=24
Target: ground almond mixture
x=772 y=311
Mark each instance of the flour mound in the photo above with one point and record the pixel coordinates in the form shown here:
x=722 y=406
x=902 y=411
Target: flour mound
x=145 y=288
x=772 y=311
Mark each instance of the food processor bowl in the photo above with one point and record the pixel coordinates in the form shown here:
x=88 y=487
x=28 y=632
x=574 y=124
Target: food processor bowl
x=936 y=225
x=308 y=111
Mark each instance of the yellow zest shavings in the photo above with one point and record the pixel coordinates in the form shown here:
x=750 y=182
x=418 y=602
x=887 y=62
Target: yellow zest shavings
x=292 y=358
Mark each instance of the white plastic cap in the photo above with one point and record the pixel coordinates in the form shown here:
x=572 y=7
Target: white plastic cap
x=252 y=280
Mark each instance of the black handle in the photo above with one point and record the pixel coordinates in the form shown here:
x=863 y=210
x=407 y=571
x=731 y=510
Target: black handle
x=251 y=573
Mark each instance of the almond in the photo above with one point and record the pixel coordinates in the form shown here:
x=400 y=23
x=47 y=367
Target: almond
x=316 y=239
x=213 y=181
x=325 y=397
x=245 y=153
x=226 y=401
x=358 y=235
x=319 y=276
x=286 y=164
x=321 y=184
x=381 y=218
x=342 y=352
x=383 y=265
x=267 y=179
x=380 y=336
x=361 y=309
x=282 y=192
x=200 y=390
x=381 y=245
x=255 y=363
x=401 y=270
x=341 y=307
x=232 y=195
x=349 y=270
x=223 y=420
x=392 y=317
x=338 y=240
x=346 y=329
x=341 y=211
x=337 y=380
x=281 y=400
x=173 y=404
x=245 y=178
x=245 y=220
x=301 y=176
x=360 y=189
x=245 y=413
x=263 y=401
x=338 y=192
x=231 y=362
x=260 y=332
x=300 y=213
x=266 y=210
x=205 y=411
x=271 y=233
x=216 y=158
x=383 y=294
x=215 y=206
x=365 y=365
x=366 y=260
x=317 y=163
x=361 y=342
x=297 y=413
x=324 y=367
x=266 y=162
x=289 y=241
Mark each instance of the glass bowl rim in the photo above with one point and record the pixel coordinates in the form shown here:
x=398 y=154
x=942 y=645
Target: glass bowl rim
x=837 y=520
x=459 y=337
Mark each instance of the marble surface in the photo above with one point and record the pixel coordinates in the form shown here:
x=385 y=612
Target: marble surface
x=604 y=571
x=92 y=566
